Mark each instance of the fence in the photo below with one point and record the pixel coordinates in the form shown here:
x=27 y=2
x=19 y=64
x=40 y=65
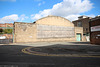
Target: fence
x=6 y=41
x=8 y=37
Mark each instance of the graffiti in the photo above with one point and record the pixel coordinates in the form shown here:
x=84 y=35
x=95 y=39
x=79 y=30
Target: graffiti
x=51 y=31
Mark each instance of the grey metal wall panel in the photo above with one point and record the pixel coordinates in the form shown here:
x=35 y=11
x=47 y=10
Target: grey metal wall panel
x=51 y=31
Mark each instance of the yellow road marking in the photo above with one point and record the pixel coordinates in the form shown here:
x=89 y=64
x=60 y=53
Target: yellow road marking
x=61 y=55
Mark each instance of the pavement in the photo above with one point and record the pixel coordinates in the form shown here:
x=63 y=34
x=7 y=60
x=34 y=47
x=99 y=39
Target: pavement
x=37 y=44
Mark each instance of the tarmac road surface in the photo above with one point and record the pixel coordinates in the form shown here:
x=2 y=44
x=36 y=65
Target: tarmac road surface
x=13 y=56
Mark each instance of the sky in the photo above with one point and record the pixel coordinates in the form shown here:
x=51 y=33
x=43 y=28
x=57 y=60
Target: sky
x=31 y=10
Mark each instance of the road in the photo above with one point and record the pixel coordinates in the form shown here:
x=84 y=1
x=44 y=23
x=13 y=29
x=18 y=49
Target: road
x=12 y=55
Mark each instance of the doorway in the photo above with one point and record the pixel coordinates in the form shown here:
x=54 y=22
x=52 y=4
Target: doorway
x=78 y=37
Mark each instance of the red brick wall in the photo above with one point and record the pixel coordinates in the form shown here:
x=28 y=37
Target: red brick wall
x=85 y=24
x=6 y=25
x=94 y=38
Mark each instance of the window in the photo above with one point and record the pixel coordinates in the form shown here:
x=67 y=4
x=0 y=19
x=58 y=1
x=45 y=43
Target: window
x=87 y=34
x=84 y=34
x=79 y=24
x=86 y=29
x=83 y=29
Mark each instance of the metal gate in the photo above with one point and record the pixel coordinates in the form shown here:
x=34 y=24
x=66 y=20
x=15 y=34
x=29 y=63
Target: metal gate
x=8 y=37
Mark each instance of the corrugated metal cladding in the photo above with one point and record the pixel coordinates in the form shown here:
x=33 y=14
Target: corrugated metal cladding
x=95 y=31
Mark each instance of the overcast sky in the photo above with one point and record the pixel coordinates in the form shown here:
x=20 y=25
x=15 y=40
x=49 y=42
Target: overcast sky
x=32 y=10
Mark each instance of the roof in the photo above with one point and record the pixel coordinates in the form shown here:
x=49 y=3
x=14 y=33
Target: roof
x=53 y=16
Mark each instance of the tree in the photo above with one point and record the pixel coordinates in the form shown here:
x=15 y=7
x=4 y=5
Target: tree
x=8 y=31
x=1 y=30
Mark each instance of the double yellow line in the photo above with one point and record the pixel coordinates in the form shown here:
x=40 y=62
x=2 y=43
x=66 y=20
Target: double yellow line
x=25 y=50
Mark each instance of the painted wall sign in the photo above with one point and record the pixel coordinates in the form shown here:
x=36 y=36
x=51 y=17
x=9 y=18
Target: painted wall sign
x=51 y=31
x=95 y=28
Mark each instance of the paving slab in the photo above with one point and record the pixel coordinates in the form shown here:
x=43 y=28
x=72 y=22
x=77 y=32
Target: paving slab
x=36 y=44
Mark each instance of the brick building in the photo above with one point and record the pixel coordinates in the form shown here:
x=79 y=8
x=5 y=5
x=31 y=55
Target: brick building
x=6 y=25
x=95 y=30
x=83 y=21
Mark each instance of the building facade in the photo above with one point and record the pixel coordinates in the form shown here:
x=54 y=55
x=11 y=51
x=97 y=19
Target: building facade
x=95 y=30
x=50 y=28
x=6 y=25
x=83 y=21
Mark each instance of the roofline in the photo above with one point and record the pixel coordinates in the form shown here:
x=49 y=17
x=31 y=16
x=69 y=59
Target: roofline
x=82 y=16
x=96 y=18
x=52 y=16
x=82 y=19
x=22 y=22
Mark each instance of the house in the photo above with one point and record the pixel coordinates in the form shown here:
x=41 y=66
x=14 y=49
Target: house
x=83 y=21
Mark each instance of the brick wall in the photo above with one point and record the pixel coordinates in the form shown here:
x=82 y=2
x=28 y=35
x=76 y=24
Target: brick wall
x=6 y=25
x=28 y=32
x=24 y=32
x=79 y=30
x=95 y=35
x=85 y=24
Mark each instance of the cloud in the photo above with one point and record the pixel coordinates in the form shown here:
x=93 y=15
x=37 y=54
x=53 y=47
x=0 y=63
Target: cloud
x=13 y=18
x=23 y=17
x=72 y=17
x=8 y=0
x=91 y=15
x=10 y=18
x=67 y=8
x=41 y=3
